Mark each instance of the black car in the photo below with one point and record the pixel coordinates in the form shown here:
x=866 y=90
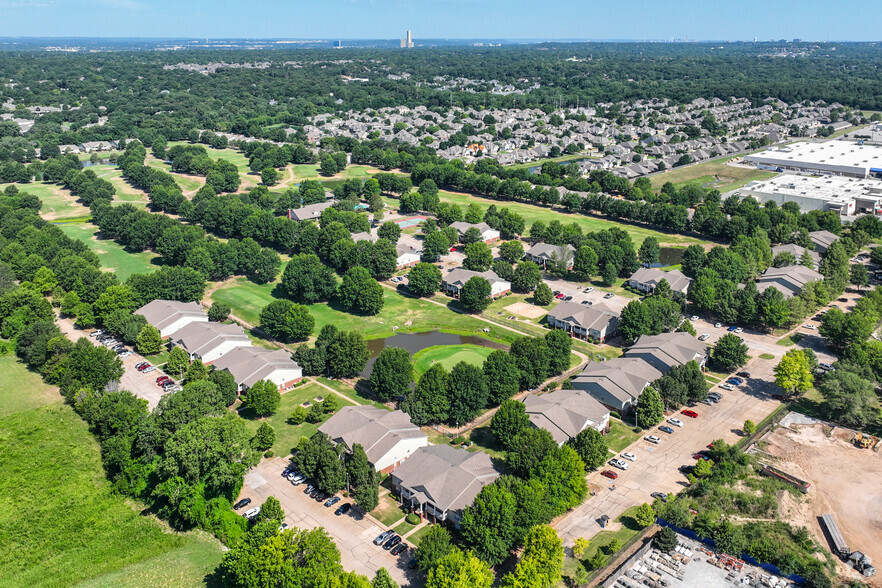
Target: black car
x=344 y=508
x=744 y=374
x=390 y=543
x=322 y=496
x=687 y=469
x=242 y=503
x=660 y=495
x=315 y=492
x=398 y=548
x=309 y=489
x=412 y=563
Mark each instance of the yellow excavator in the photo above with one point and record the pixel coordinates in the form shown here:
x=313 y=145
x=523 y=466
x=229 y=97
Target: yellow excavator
x=864 y=441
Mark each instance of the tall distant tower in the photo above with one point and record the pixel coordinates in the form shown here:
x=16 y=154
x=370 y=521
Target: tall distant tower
x=409 y=40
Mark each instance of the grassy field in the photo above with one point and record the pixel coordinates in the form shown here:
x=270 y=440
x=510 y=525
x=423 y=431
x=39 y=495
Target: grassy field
x=409 y=315
x=112 y=255
x=86 y=535
x=448 y=356
x=351 y=393
x=714 y=174
x=620 y=435
x=57 y=202
x=562 y=159
x=629 y=528
x=288 y=435
x=532 y=213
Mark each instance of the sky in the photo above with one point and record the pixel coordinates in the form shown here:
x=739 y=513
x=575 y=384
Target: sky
x=855 y=20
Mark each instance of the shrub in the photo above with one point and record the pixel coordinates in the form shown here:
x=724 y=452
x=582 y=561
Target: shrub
x=330 y=404
x=315 y=414
x=413 y=519
x=269 y=453
x=298 y=416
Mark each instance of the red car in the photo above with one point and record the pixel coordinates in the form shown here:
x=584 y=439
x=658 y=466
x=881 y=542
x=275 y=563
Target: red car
x=163 y=380
x=609 y=474
x=452 y=249
x=144 y=367
x=690 y=413
x=700 y=456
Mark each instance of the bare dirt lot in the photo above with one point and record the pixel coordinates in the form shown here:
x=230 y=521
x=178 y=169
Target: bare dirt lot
x=846 y=483
x=527 y=310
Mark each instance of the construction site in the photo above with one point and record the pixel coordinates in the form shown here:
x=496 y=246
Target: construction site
x=842 y=506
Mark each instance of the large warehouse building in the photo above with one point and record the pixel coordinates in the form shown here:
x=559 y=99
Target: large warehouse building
x=843 y=195
x=838 y=158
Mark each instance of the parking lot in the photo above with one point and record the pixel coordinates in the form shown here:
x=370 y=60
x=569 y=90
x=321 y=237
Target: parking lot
x=353 y=532
x=656 y=467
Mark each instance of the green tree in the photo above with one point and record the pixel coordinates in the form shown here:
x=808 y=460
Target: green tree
x=649 y=251
x=271 y=510
x=424 y=279
x=509 y=421
x=389 y=231
x=317 y=457
x=749 y=428
x=475 y=294
x=347 y=354
x=269 y=176
x=434 y=545
x=264 y=437
x=665 y=540
x=502 y=377
x=541 y=562
x=435 y=245
x=460 y=569
x=531 y=355
x=196 y=372
x=527 y=277
x=730 y=352
x=149 y=340
x=428 y=403
x=361 y=293
x=773 y=309
x=559 y=345
x=644 y=515
x=591 y=446
x=793 y=373
x=479 y=258
x=285 y=320
x=609 y=273
x=219 y=312
x=650 y=408
x=362 y=479
x=466 y=391
x=382 y=579
x=44 y=280
x=226 y=385
x=306 y=279
x=585 y=262
x=542 y=295
x=858 y=275
x=488 y=524
x=392 y=373
x=849 y=396
x=511 y=251
x=328 y=165
x=263 y=398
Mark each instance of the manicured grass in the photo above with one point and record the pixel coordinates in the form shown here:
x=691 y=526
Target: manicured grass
x=418 y=535
x=766 y=356
x=532 y=213
x=409 y=315
x=716 y=173
x=404 y=528
x=351 y=393
x=484 y=440
x=125 y=192
x=57 y=202
x=311 y=172
x=620 y=435
x=448 y=356
x=21 y=389
x=388 y=512
x=562 y=159
x=60 y=524
x=112 y=255
x=435 y=437
x=791 y=339
x=712 y=379
x=288 y=435
x=188 y=565
x=629 y=529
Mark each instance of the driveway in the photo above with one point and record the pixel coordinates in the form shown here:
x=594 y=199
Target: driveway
x=656 y=468
x=353 y=532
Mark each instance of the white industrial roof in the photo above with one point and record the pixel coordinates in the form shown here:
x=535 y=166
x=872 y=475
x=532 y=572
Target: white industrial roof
x=834 y=156
x=827 y=188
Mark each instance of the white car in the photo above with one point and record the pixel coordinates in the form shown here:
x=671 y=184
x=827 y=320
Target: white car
x=675 y=422
x=826 y=367
x=693 y=318
x=589 y=289
x=618 y=463
x=809 y=327
x=251 y=512
x=653 y=439
x=727 y=386
x=718 y=325
x=704 y=337
x=739 y=330
x=629 y=456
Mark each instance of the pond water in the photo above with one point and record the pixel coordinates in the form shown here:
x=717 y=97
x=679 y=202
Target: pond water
x=414 y=342
x=671 y=256
x=88 y=163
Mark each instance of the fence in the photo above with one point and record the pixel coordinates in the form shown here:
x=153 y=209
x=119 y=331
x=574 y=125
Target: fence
x=611 y=579
x=593 y=576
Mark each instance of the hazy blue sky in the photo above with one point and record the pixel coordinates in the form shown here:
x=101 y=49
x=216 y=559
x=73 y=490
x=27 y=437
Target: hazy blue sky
x=387 y=19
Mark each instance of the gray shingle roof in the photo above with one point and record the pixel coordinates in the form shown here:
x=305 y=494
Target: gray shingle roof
x=162 y=313
x=201 y=338
x=595 y=316
x=623 y=377
x=668 y=349
x=249 y=365
x=650 y=275
x=789 y=280
x=564 y=413
x=375 y=429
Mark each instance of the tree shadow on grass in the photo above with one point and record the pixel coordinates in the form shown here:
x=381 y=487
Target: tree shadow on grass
x=629 y=523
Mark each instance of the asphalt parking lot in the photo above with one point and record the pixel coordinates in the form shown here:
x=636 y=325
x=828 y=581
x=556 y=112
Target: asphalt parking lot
x=656 y=468
x=353 y=532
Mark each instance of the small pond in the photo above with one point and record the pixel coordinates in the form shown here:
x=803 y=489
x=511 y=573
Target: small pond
x=671 y=256
x=414 y=342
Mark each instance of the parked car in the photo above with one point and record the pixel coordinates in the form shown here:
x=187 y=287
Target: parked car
x=653 y=439
x=709 y=401
x=666 y=429
x=332 y=501
x=608 y=295
x=343 y=509
x=588 y=302
x=716 y=396
x=660 y=495
x=148 y=369
x=726 y=386
x=842 y=299
x=588 y=290
x=96 y=333
x=568 y=298
x=718 y=325
x=251 y=513
x=141 y=364
x=826 y=367
x=693 y=318
x=735 y=381
x=242 y=503
x=739 y=330
x=732 y=329
x=392 y=542
x=809 y=327
x=383 y=536
x=398 y=548
x=124 y=354
x=282 y=527
x=690 y=413
x=609 y=474
x=704 y=337
x=687 y=469
x=700 y=456
x=675 y=422
x=619 y=463
x=165 y=378
x=629 y=456
x=298 y=479
x=778 y=397
x=309 y=489
x=744 y=374
x=322 y=496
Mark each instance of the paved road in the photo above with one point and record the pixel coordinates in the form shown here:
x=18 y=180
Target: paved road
x=656 y=468
x=353 y=533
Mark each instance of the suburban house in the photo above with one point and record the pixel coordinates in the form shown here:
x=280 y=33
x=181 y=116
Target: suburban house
x=488 y=235
x=543 y=254
x=668 y=350
x=169 y=316
x=356 y=237
x=407 y=257
x=388 y=437
x=647 y=279
x=822 y=240
x=596 y=322
x=310 y=211
x=797 y=252
x=616 y=383
x=440 y=481
x=249 y=365
x=209 y=341
x=566 y=413
x=789 y=280
x=453 y=282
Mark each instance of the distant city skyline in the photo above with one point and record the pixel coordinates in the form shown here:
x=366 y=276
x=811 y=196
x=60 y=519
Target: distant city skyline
x=847 y=20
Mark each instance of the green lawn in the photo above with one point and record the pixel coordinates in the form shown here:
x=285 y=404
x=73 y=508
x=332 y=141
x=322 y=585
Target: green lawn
x=620 y=435
x=351 y=393
x=404 y=528
x=562 y=159
x=388 y=511
x=448 y=356
x=532 y=213
x=125 y=192
x=21 y=389
x=409 y=315
x=791 y=339
x=57 y=202
x=311 y=172
x=112 y=255
x=418 y=535
x=629 y=529
x=484 y=440
x=766 y=356
x=716 y=174
x=288 y=435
